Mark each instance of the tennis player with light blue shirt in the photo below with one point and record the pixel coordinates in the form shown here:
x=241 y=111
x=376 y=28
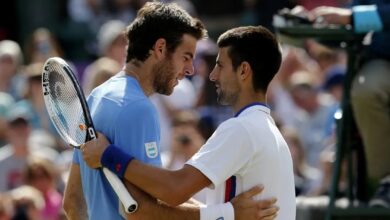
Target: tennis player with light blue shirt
x=117 y=107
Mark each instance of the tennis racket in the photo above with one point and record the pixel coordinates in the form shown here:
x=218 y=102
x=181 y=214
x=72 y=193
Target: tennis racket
x=68 y=110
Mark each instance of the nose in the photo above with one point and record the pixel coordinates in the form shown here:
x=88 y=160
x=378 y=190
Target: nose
x=212 y=76
x=189 y=70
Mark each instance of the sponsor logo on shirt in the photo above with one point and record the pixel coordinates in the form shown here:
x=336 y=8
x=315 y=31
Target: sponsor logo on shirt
x=151 y=149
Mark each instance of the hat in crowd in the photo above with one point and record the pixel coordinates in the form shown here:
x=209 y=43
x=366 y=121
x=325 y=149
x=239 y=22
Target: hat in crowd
x=12 y=49
x=334 y=76
x=108 y=33
x=18 y=113
x=302 y=79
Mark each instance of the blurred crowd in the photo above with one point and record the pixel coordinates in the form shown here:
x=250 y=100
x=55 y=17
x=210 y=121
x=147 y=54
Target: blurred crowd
x=304 y=97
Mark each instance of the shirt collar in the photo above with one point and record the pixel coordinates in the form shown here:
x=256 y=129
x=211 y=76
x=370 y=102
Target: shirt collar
x=254 y=105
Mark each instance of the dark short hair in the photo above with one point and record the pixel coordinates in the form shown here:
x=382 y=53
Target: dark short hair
x=257 y=46
x=157 y=20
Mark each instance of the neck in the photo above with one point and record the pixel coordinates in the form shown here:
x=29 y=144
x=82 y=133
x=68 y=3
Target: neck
x=141 y=71
x=247 y=99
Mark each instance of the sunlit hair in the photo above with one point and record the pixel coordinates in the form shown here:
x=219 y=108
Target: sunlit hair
x=157 y=20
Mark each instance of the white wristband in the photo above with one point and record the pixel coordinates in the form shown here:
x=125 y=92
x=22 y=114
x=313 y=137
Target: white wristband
x=223 y=211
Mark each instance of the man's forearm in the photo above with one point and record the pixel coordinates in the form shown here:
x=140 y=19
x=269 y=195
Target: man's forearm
x=173 y=187
x=151 y=209
x=163 y=211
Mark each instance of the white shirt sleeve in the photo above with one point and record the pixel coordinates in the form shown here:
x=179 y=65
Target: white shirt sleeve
x=225 y=153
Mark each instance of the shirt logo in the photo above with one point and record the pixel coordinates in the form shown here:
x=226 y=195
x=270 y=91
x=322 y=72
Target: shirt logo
x=220 y=218
x=151 y=149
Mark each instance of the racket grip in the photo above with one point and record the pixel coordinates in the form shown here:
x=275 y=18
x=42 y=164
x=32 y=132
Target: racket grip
x=124 y=196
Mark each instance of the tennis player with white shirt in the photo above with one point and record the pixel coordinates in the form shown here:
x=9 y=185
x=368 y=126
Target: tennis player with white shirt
x=244 y=151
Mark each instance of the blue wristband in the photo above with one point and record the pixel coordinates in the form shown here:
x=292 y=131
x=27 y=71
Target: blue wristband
x=115 y=160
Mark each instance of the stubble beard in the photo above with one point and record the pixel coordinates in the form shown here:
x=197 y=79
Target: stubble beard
x=163 y=75
x=225 y=98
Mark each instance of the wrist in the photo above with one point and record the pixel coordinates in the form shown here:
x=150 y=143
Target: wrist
x=115 y=160
x=219 y=211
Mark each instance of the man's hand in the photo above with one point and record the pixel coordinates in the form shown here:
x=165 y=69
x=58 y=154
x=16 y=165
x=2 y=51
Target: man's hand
x=247 y=208
x=331 y=15
x=92 y=150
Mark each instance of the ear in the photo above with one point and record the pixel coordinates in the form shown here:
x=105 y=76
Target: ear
x=245 y=70
x=159 y=48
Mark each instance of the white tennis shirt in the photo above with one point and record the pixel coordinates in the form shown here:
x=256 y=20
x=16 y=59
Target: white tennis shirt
x=245 y=151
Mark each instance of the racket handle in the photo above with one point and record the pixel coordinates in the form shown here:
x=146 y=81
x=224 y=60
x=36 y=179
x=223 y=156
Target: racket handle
x=124 y=196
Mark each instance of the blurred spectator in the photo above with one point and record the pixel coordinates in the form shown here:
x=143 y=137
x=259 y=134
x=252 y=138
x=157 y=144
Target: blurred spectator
x=334 y=79
x=112 y=45
x=100 y=71
x=279 y=97
x=325 y=57
x=41 y=175
x=307 y=178
x=13 y=156
x=28 y=203
x=186 y=141
x=87 y=11
x=183 y=97
x=11 y=59
x=204 y=61
x=334 y=86
x=6 y=101
x=312 y=116
x=41 y=46
x=87 y=17
x=111 y=40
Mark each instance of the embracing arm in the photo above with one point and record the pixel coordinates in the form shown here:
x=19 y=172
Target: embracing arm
x=74 y=202
x=245 y=208
x=172 y=187
x=150 y=208
x=179 y=184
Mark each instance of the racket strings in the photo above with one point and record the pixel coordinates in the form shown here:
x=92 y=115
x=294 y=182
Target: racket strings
x=65 y=107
